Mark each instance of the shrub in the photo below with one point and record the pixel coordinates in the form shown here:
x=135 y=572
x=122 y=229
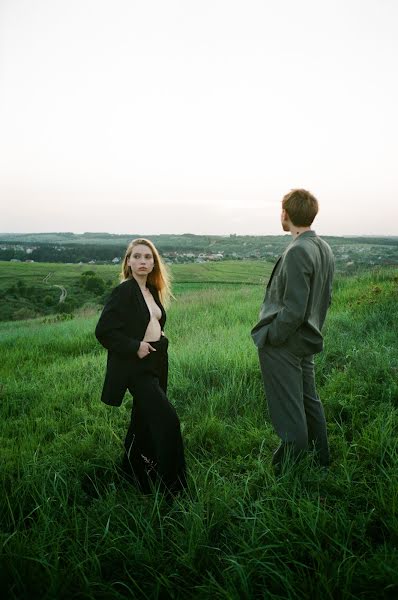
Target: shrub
x=24 y=313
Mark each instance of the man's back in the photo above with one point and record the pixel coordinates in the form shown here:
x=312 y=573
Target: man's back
x=299 y=294
x=322 y=276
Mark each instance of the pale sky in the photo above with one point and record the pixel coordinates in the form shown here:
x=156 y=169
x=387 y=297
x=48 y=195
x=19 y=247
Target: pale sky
x=177 y=116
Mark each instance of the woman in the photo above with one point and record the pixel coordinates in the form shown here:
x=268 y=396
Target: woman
x=131 y=329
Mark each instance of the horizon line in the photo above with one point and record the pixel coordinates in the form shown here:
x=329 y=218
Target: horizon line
x=282 y=234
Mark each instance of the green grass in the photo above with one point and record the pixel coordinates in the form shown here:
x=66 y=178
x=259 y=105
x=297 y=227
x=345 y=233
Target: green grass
x=57 y=273
x=71 y=529
x=244 y=271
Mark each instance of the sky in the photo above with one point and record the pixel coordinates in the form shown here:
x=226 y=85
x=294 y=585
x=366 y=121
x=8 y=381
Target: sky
x=197 y=116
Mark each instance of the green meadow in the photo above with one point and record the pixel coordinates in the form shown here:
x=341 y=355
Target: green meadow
x=227 y=271
x=71 y=528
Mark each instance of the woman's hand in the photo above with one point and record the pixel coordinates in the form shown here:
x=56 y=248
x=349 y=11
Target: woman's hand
x=145 y=349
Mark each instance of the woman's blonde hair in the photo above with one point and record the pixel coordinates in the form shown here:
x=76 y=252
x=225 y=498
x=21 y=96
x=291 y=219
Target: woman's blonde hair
x=159 y=277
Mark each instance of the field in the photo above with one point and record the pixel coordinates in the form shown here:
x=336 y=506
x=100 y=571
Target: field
x=253 y=271
x=30 y=290
x=70 y=528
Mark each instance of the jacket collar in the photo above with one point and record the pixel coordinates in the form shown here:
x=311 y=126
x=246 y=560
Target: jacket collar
x=140 y=296
x=306 y=234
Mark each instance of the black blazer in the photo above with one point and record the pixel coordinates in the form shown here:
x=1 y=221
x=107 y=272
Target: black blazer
x=120 y=329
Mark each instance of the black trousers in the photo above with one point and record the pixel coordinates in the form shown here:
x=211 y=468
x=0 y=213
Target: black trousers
x=154 y=450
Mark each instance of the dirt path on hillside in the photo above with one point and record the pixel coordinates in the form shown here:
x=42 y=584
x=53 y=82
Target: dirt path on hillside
x=63 y=295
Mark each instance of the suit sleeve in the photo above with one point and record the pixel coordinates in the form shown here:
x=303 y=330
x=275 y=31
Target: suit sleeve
x=297 y=286
x=110 y=330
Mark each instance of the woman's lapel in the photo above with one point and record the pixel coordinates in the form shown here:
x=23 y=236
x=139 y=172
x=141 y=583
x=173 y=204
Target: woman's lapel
x=141 y=300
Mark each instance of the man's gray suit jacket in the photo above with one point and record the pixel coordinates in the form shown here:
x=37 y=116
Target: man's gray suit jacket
x=297 y=297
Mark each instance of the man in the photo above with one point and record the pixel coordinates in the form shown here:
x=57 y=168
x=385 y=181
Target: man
x=288 y=334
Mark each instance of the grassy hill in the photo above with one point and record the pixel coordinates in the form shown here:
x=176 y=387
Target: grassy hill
x=71 y=529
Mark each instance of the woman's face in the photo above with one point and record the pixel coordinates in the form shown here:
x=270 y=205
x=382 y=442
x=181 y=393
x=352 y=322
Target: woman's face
x=141 y=260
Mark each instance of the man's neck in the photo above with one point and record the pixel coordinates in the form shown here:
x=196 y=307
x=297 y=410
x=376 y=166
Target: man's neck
x=296 y=231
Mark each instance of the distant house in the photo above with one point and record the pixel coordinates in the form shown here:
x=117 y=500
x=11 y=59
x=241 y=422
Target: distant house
x=15 y=260
x=116 y=260
x=217 y=256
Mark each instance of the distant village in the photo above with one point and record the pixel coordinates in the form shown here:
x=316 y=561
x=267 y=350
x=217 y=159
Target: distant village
x=173 y=257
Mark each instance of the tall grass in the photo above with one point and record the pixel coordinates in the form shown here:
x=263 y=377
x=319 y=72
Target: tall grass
x=72 y=529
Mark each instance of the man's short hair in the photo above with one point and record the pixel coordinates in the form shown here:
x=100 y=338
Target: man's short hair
x=301 y=206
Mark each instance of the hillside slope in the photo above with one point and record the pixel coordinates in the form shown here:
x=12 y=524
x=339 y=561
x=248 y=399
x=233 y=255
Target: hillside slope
x=71 y=529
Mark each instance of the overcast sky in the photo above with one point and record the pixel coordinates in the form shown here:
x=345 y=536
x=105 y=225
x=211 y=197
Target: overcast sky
x=173 y=116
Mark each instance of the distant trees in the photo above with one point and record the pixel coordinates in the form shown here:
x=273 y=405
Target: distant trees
x=63 y=253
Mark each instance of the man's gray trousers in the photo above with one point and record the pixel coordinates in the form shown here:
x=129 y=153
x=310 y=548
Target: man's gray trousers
x=295 y=409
